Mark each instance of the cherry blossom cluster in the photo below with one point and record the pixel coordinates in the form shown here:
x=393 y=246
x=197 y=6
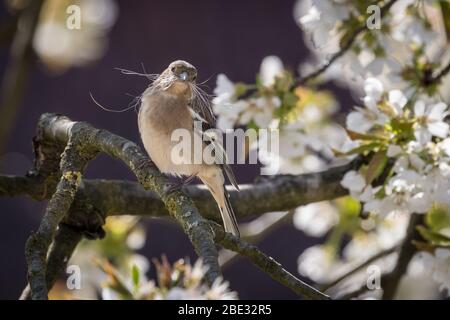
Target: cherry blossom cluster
x=408 y=41
x=412 y=135
x=301 y=115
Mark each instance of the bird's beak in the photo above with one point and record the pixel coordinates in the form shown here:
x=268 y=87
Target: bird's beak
x=183 y=76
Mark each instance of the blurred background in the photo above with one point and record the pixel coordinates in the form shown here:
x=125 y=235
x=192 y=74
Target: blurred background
x=216 y=36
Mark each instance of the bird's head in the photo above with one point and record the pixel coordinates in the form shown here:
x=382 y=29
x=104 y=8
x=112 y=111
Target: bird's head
x=180 y=75
x=183 y=71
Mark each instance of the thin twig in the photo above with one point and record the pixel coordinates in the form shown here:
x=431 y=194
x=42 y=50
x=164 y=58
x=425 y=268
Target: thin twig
x=344 y=48
x=254 y=231
x=353 y=294
x=391 y=280
x=266 y=264
x=438 y=76
x=406 y=252
x=358 y=268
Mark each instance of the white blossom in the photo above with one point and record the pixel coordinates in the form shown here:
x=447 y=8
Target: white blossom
x=232 y=111
x=439 y=264
x=316 y=263
x=319 y=20
x=363 y=119
x=430 y=121
x=316 y=219
x=388 y=51
x=353 y=181
x=397 y=101
x=224 y=105
x=60 y=47
x=271 y=67
x=260 y=110
x=374 y=91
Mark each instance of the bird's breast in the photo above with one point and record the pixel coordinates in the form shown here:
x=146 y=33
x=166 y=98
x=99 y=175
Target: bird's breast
x=159 y=117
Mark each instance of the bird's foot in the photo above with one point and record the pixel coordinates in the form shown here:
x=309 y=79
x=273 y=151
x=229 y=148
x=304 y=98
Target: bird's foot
x=178 y=185
x=144 y=163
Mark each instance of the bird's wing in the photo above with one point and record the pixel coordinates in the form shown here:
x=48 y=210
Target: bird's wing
x=210 y=137
x=201 y=105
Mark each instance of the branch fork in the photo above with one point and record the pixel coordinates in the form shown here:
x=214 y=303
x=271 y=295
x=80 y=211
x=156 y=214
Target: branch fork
x=48 y=250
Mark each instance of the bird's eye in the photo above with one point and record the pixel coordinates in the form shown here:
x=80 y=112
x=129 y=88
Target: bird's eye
x=173 y=69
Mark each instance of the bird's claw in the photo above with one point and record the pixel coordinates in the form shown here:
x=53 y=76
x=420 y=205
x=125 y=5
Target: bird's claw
x=143 y=163
x=177 y=186
x=172 y=187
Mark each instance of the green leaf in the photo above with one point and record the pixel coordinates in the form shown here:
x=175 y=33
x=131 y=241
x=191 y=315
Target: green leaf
x=403 y=129
x=288 y=103
x=349 y=209
x=423 y=246
x=399 y=125
x=115 y=280
x=290 y=99
x=359 y=150
x=363 y=136
x=376 y=166
x=434 y=238
x=258 y=83
x=240 y=89
x=135 y=276
x=380 y=193
x=283 y=82
x=438 y=218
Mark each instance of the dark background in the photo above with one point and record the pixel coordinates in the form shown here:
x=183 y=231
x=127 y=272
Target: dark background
x=228 y=37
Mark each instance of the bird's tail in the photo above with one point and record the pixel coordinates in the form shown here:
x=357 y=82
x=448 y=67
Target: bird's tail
x=228 y=217
x=220 y=194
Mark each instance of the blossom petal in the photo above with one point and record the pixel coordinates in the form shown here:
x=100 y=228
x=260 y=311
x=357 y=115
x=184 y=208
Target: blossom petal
x=357 y=122
x=373 y=88
x=397 y=99
x=444 y=145
x=437 y=111
x=419 y=108
x=224 y=86
x=353 y=181
x=438 y=129
x=422 y=135
x=271 y=67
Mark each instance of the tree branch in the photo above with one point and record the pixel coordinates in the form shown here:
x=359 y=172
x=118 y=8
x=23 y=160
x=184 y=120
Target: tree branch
x=406 y=252
x=361 y=266
x=66 y=240
x=255 y=230
x=82 y=205
x=72 y=167
x=391 y=280
x=430 y=79
x=83 y=142
x=118 y=197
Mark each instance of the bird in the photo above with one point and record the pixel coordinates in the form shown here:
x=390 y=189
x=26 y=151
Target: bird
x=173 y=101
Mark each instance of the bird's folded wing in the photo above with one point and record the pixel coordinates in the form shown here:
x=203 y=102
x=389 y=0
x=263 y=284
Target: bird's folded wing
x=201 y=106
x=209 y=136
